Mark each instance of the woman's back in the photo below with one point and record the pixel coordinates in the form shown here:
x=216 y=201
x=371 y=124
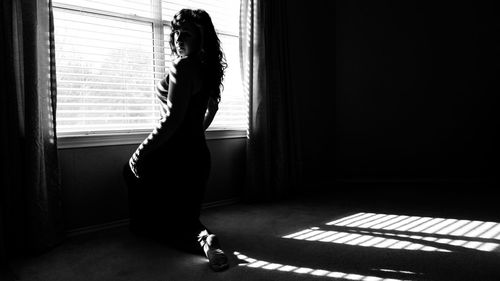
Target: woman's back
x=191 y=126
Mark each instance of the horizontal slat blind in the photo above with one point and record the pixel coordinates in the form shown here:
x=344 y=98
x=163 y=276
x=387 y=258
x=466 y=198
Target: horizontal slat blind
x=225 y=16
x=110 y=55
x=224 y=13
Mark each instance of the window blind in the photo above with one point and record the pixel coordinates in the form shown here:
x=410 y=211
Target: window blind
x=111 y=54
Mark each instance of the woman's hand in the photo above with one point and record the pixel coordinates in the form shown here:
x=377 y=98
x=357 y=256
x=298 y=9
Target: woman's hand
x=212 y=108
x=133 y=163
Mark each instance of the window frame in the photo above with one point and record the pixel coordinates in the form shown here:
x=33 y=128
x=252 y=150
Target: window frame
x=135 y=138
x=109 y=138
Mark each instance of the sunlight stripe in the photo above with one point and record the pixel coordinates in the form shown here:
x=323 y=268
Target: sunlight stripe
x=272 y=266
x=473 y=244
x=303 y=270
x=359 y=240
x=492 y=233
x=385 y=243
x=365 y=220
x=298 y=233
x=379 y=221
x=488 y=247
x=372 y=242
x=424 y=226
x=334 y=237
x=347 y=238
x=458 y=242
x=464 y=229
x=320 y=272
x=416 y=223
x=257 y=264
x=309 y=234
x=393 y=221
x=404 y=222
x=482 y=228
x=352 y=276
x=342 y=220
x=287 y=268
x=439 y=226
x=452 y=227
x=321 y=236
x=353 y=219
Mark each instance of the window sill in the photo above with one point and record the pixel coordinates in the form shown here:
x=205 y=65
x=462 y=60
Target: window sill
x=95 y=140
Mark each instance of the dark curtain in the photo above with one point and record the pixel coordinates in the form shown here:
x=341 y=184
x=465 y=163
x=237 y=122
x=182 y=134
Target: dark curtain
x=273 y=150
x=30 y=197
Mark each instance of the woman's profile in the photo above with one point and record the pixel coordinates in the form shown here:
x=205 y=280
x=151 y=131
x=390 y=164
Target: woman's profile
x=168 y=172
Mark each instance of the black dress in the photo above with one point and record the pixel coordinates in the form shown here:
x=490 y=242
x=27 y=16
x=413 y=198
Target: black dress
x=165 y=201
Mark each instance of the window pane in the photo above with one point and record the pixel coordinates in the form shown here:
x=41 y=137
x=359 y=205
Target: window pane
x=233 y=109
x=126 y=7
x=108 y=62
x=105 y=73
x=224 y=13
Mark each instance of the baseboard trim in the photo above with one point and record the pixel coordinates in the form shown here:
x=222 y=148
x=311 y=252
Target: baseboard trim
x=220 y=203
x=97 y=227
x=125 y=222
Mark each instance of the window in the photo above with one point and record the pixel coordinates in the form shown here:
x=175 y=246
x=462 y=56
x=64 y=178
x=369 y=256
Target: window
x=110 y=55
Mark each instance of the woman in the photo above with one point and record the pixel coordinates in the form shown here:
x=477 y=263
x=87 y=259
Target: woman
x=168 y=172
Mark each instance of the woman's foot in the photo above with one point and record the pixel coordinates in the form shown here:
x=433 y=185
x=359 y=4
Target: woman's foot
x=217 y=260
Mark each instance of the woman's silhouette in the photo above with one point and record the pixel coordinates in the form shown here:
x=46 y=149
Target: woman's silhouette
x=167 y=174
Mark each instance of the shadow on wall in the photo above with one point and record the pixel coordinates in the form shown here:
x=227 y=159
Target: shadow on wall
x=416 y=86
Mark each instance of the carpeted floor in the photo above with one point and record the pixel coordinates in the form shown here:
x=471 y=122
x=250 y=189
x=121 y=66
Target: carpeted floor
x=310 y=239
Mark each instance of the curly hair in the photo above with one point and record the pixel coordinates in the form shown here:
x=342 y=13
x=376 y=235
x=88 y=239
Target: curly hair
x=211 y=55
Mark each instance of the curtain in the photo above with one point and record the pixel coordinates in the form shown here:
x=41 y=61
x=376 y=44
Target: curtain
x=273 y=140
x=30 y=196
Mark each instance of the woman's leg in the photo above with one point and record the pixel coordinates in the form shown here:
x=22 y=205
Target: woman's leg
x=144 y=205
x=134 y=200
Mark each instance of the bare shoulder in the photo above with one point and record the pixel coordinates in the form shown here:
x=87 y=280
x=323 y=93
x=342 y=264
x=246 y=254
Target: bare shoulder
x=187 y=71
x=185 y=66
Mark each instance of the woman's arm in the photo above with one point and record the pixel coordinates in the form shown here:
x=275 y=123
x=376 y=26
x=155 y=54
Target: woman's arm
x=212 y=108
x=162 y=94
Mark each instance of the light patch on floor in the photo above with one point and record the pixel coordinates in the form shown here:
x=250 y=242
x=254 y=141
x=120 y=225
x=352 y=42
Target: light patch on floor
x=401 y=232
x=255 y=263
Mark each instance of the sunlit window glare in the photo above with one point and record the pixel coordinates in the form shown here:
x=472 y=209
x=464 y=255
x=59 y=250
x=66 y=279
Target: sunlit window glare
x=405 y=233
x=110 y=55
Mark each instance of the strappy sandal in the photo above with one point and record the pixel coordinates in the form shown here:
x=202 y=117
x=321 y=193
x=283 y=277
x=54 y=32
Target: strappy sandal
x=217 y=260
